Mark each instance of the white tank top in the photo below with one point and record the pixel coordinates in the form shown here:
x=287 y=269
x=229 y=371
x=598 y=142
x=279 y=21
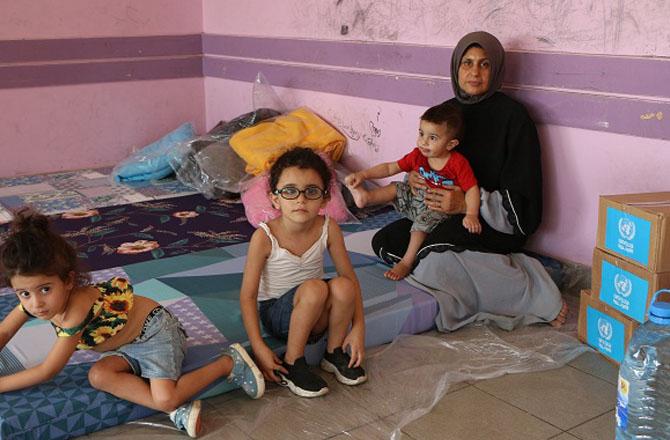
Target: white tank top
x=284 y=270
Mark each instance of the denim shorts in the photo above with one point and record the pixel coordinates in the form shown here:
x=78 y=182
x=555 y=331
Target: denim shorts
x=158 y=352
x=275 y=315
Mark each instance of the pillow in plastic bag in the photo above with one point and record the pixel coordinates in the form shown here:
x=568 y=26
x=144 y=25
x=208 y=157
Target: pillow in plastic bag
x=152 y=161
x=209 y=164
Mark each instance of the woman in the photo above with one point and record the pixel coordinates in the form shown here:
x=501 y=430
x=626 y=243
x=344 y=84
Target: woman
x=480 y=276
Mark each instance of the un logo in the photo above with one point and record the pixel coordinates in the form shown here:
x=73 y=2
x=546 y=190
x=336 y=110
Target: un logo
x=626 y=228
x=605 y=329
x=622 y=285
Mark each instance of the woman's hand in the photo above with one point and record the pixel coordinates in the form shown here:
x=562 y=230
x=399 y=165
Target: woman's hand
x=355 y=342
x=448 y=200
x=416 y=182
x=269 y=362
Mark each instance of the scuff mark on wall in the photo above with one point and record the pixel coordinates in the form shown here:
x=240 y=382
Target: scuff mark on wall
x=375 y=19
x=490 y=14
x=652 y=115
x=586 y=26
x=546 y=41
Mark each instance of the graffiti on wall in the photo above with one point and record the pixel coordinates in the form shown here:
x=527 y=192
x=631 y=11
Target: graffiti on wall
x=582 y=26
x=360 y=130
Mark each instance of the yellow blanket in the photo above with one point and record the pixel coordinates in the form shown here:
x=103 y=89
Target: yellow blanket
x=259 y=146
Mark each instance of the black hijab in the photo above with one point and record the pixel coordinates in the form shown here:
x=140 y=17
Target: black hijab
x=494 y=52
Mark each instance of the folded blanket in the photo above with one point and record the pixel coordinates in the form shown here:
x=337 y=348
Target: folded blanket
x=152 y=161
x=261 y=144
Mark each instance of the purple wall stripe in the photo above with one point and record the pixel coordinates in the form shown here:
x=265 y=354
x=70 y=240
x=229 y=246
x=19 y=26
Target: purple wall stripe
x=594 y=112
x=595 y=73
x=97 y=72
x=425 y=60
x=637 y=117
x=382 y=86
x=29 y=51
x=607 y=74
x=582 y=91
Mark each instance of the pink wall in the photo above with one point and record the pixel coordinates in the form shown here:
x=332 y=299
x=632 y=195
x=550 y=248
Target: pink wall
x=41 y=19
x=47 y=129
x=580 y=165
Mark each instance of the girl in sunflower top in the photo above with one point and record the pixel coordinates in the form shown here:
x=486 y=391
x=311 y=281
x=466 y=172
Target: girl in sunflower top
x=143 y=343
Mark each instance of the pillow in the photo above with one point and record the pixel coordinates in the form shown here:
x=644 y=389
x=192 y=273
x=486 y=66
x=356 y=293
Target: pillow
x=258 y=207
x=261 y=144
x=152 y=161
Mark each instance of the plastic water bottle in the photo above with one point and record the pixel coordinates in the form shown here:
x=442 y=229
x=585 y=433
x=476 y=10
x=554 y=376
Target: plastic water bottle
x=643 y=397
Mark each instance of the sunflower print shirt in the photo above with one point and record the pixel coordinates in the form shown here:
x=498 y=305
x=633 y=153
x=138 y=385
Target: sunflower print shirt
x=107 y=316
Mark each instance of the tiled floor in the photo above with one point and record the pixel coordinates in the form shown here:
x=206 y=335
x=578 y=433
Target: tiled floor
x=572 y=402
x=575 y=401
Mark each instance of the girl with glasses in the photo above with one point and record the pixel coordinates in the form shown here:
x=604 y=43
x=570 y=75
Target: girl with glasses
x=284 y=286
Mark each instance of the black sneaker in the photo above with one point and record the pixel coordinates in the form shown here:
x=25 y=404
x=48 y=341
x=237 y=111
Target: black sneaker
x=301 y=381
x=337 y=362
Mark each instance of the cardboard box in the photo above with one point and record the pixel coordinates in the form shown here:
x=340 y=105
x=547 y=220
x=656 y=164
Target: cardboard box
x=636 y=227
x=625 y=286
x=604 y=328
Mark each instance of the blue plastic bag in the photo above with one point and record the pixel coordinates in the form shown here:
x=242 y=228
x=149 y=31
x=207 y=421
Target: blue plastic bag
x=152 y=162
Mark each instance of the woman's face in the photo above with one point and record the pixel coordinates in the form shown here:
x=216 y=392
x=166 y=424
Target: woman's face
x=474 y=72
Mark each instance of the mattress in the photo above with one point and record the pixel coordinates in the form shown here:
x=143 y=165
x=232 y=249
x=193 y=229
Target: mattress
x=202 y=289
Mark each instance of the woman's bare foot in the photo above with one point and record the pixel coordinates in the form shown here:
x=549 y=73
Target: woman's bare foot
x=562 y=315
x=398 y=272
x=360 y=196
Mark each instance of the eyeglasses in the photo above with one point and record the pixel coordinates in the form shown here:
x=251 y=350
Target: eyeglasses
x=292 y=193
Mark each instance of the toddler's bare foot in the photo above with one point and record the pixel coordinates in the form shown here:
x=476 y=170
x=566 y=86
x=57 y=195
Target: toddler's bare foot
x=398 y=272
x=360 y=196
x=562 y=316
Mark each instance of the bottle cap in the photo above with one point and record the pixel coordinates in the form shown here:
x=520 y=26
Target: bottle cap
x=659 y=311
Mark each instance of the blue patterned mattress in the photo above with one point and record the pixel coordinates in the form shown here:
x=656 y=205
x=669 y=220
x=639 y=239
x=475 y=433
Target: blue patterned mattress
x=202 y=289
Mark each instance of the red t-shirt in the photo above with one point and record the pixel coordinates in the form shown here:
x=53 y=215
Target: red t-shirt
x=456 y=171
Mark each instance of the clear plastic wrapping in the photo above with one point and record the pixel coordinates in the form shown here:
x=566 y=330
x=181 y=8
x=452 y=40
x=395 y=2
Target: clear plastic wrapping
x=208 y=163
x=406 y=379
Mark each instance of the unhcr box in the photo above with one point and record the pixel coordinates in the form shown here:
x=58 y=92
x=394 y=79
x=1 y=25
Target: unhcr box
x=625 y=286
x=636 y=227
x=604 y=328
